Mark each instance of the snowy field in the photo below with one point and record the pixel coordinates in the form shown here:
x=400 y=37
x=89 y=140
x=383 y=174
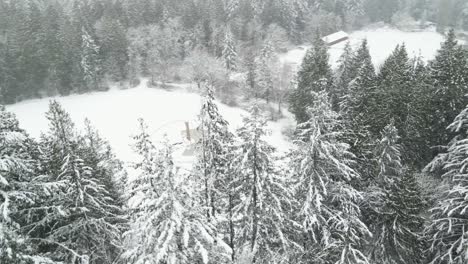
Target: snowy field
x=382 y=41
x=115 y=114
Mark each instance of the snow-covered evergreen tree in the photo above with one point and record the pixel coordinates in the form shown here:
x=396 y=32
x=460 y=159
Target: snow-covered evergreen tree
x=395 y=206
x=19 y=192
x=82 y=225
x=447 y=231
x=168 y=225
x=264 y=206
x=327 y=202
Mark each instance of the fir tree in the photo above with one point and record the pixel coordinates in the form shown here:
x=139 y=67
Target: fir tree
x=315 y=75
x=327 y=203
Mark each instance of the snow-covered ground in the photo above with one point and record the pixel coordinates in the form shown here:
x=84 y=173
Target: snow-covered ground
x=115 y=114
x=382 y=41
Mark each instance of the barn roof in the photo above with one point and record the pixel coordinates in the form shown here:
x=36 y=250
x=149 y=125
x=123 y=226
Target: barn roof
x=337 y=36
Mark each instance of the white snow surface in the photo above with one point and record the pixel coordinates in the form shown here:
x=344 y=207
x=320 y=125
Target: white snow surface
x=115 y=113
x=382 y=41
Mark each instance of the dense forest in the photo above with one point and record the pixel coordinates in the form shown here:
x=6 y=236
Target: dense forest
x=378 y=172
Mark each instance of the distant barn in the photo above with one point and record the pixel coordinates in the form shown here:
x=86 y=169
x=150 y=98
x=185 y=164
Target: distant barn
x=335 y=38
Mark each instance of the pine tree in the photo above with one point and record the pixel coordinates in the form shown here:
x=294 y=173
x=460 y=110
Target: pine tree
x=449 y=221
x=395 y=204
x=90 y=62
x=167 y=225
x=19 y=192
x=264 y=197
x=327 y=202
x=315 y=75
x=82 y=226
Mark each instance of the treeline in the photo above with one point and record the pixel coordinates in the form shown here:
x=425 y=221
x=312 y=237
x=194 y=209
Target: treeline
x=63 y=47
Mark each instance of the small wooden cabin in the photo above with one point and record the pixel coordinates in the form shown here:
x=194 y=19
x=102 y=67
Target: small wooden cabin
x=336 y=38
